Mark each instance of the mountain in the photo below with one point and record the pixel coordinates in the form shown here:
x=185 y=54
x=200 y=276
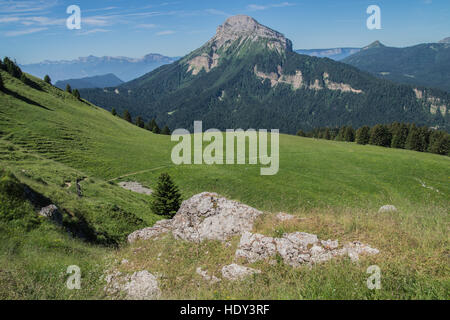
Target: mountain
x=248 y=76
x=446 y=40
x=103 y=81
x=123 y=67
x=335 y=53
x=425 y=64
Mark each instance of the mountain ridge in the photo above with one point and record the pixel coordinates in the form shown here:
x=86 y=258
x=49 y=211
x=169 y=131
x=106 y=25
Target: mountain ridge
x=101 y=81
x=241 y=78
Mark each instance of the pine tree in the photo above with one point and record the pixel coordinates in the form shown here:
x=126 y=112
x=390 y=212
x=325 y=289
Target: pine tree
x=139 y=122
x=301 y=133
x=380 y=136
x=1 y=83
x=113 y=112
x=413 y=140
x=76 y=94
x=166 y=197
x=127 y=116
x=12 y=68
x=68 y=88
x=441 y=145
x=327 y=134
x=166 y=131
x=341 y=134
x=156 y=129
x=349 y=134
x=363 y=135
x=400 y=134
x=152 y=124
x=47 y=79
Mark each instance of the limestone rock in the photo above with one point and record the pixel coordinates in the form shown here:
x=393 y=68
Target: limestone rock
x=160 y=227
x=204 y=274
x=135 y=187
x=235 y=272
x=297 y=248
x=52 y=212
x=206 y=216
x=285 y=217
x=141 y=285
x=387 y=208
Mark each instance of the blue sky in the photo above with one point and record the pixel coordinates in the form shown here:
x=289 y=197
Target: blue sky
x=34 y=30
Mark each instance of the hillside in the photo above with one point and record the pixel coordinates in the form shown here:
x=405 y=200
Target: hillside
x=123 y=67
x=334 y=54
x=102 y=81
x=49 y=140
x=248 y=76
x=425 y=64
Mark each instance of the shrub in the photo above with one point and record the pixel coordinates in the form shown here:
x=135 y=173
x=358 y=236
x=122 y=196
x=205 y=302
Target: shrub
x=166 y=131
x=76 y=94
x=127 y=116
x=113 y=112
x=68 y=88
x=166 y=197
x=349 y=134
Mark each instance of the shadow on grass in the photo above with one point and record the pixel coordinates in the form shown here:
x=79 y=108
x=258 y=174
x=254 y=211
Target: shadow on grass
x=24 y=99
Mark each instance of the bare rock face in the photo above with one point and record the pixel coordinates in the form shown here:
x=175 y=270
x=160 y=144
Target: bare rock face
x=52 y=212
x=206 y=216
x=160 y=227
x=297 y=248
x=242 y=26
x=236 y=272
x=387 y=208
x=141 y=285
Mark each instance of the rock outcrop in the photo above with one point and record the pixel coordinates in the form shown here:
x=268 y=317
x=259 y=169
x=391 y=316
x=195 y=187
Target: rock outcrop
x=207 y=216
x=135 y=187
x=52 y=212
x=160 y=227
x=141 y=285
x=236 y=272
x=297 y=248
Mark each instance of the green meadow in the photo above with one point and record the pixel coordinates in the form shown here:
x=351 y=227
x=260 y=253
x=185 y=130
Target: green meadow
x=49 y=140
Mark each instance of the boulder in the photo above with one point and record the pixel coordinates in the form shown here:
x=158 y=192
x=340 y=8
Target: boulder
x=207 y=216
x=160 y=227
x=236 y=272
x=141 y=285
x=387 y=208
x=52 y=212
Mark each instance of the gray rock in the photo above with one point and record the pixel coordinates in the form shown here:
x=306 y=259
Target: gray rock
x=297 y=248
x=141 y=285
x=207 y=216
x=204 y=274
x=387 y=208
x=52 y=212
x=236 y=272
x=160 y=227
x=285 y=216
x=135 y=187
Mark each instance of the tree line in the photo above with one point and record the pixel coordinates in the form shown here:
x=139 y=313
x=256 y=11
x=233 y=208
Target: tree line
x=139 y=121
x=394 y=135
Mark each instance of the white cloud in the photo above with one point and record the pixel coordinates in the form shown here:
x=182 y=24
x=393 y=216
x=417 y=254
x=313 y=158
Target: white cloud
x=165 y=33
x=23 y=32
x=257 y=7
x=7 y=6
x=217 y=12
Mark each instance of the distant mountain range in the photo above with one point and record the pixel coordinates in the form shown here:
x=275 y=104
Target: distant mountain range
x=103 y=81
x=425 y=64
x=248 y=76
x=335 y=53
x=123 y=67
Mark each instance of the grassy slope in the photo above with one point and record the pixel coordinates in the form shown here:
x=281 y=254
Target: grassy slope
x=48 y=139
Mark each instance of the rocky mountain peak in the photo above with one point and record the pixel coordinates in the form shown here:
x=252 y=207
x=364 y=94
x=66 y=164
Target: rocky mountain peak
x=242 y=26
x=446 y=40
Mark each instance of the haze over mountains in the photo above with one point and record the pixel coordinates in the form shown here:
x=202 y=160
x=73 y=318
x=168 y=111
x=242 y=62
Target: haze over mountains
x=425 y=64
x=248 y=76
x=103 y=81
x=123 y=67
x=335 y=53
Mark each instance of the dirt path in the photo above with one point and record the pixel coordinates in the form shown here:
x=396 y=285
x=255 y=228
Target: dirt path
x=139 y=172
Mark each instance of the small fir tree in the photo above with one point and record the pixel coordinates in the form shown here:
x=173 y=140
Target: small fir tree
x=166 y=197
